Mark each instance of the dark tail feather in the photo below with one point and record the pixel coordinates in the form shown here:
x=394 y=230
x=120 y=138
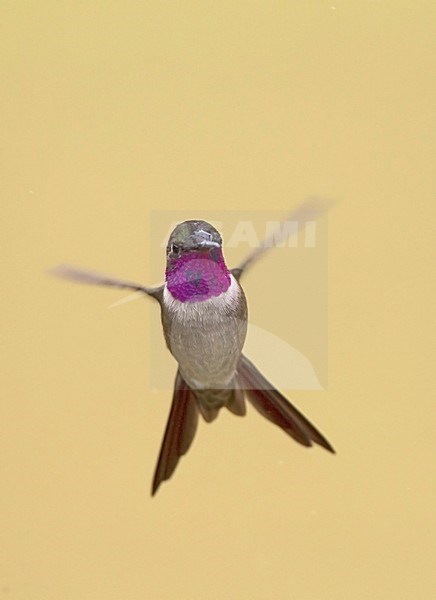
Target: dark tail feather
x=236 y=403
x=179 y=432
x=274 y=406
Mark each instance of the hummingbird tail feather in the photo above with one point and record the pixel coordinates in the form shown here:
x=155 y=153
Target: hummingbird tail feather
x=236 y=402
x=211 y=401
x=208 y=412
x=179 y=432
x=276 y=408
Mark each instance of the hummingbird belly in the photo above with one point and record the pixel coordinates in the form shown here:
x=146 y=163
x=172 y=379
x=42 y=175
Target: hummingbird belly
x=206 y=338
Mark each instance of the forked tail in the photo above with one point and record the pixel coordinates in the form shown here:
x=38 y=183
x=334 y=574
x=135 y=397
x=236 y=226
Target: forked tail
x=185 y=408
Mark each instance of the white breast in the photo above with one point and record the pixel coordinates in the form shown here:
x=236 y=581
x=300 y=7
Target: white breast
x=206 y=338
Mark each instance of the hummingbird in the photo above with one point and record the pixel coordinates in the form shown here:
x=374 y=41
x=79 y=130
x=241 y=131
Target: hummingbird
x=204 y=319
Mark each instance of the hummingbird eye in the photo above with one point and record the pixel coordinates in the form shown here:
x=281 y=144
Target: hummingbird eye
x=175 y=249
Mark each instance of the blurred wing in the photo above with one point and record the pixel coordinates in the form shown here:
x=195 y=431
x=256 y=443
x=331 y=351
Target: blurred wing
x=310 y=210
x=92 y=278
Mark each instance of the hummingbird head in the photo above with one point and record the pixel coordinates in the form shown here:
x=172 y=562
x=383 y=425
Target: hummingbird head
x=195 y=269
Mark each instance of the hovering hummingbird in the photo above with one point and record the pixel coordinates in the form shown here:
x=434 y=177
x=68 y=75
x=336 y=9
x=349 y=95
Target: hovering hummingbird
x=204 y=319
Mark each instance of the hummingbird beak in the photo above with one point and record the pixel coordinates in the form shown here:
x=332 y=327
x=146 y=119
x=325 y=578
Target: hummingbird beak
x=201 y=240
x=200 y=245
x=209 y=244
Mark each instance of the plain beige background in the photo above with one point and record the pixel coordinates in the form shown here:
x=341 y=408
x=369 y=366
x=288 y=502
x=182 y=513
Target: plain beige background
x=111 y=110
